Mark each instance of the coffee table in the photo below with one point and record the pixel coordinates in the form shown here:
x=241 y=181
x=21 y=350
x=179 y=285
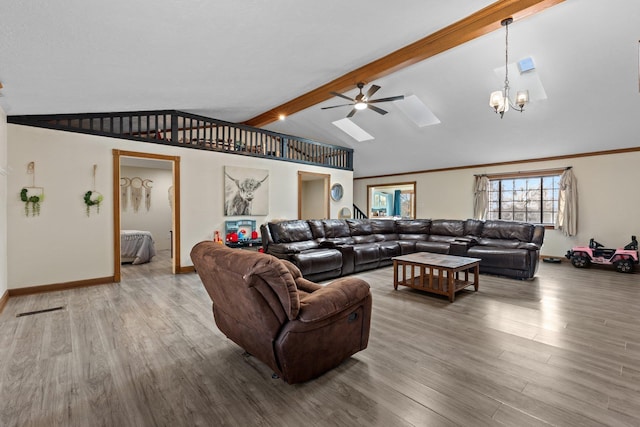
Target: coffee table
x=436 y=273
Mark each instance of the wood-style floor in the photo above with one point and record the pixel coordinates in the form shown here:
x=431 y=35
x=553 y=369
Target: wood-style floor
x=563 y=349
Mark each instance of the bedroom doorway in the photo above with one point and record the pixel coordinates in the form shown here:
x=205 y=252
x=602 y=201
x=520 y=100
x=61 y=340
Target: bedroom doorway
x=134 y=193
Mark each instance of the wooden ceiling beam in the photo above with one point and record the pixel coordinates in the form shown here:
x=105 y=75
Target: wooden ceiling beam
x=473 y=26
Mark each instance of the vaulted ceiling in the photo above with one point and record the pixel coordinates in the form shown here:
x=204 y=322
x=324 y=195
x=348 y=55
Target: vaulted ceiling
x=236 y=60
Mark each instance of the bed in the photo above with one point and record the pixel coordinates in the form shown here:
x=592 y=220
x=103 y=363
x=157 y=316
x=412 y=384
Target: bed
x=136 y=247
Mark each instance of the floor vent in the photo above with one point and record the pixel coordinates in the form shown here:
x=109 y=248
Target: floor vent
x=46 y=310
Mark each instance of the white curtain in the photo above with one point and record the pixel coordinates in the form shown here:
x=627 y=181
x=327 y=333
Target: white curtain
x=481 y=197
x=567 y=220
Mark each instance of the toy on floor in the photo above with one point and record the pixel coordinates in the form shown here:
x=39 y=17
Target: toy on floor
x=624 y=259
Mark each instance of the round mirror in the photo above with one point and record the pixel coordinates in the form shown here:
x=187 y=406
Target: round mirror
x=337 y=192
x=344 y=213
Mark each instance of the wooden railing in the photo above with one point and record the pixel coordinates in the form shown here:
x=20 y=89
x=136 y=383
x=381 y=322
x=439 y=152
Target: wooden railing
x=358 y=214
x=177 y=128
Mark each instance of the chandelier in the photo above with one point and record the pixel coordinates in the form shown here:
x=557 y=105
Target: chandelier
x=500 y=100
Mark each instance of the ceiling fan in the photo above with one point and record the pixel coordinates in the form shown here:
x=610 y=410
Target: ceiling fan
x=363 y=101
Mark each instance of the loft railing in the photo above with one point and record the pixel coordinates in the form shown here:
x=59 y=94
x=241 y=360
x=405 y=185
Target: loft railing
x=178 y=128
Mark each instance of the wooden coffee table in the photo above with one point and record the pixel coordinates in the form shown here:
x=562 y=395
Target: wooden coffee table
x=436 y=273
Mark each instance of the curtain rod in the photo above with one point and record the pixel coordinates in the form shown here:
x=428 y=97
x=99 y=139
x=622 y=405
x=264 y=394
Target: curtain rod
x=531 y=171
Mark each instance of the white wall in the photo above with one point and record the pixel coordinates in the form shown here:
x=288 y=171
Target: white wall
x=63 y=244
x=608 y=206
x=3 y=202
x=157 y=219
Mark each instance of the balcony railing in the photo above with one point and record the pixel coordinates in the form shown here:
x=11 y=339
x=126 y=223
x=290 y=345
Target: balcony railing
x=177 y=128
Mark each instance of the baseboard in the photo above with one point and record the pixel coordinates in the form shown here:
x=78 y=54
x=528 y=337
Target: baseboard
x=187 y=269
x=4 y=299
x=61 y=286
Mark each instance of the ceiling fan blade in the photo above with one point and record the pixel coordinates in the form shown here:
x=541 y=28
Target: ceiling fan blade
x=391 y=98
x=373 y=89
x=342 y=96
x=335 y=106
x=377 y=110
x=352 y=113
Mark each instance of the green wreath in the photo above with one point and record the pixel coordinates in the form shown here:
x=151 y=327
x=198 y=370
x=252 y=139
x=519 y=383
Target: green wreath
x=34 y=200
x=95 y=201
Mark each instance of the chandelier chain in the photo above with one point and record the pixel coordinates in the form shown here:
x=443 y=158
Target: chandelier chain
x=506 y=58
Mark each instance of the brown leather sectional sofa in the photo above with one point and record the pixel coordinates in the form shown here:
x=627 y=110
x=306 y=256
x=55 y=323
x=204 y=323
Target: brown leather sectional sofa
x=324 y=249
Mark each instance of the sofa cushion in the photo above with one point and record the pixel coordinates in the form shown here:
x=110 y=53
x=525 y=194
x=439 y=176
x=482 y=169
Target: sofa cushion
x=383 y=226
x=317 y=228
x=447 y=227
x=277 y=276
x=293 y=247
x=290 y=231
x=508 y=230
x=318 y=261
x=499 y=243
x=413 y=226
x=407 y=246
x=517 y=259
x=334 y=228
x=436 y=247
x=439 y=238
x=413 y=236
x=366 y=253
x=473 y=227
x=359 y=227
x=389 y=249
x=367 y=238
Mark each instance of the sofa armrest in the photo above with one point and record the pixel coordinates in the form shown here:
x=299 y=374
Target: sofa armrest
x=337 y=296
x=529 y=246
x=471 y=241
x=283 y=249
x=328 y=244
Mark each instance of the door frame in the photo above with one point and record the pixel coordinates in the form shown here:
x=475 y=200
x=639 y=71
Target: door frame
x=175 y=213
x=327 y=186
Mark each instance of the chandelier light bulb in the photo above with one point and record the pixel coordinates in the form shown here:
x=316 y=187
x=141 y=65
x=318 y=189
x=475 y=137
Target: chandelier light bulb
x=360 y=105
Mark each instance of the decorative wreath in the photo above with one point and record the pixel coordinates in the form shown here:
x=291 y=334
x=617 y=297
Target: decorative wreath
x=92 y=198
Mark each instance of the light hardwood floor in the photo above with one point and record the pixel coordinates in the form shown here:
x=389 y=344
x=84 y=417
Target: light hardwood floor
x=563 y=349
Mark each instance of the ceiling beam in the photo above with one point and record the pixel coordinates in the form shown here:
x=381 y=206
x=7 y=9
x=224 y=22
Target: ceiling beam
x=473 y=26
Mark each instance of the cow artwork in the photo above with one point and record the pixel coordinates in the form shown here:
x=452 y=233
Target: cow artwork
x=246 y=191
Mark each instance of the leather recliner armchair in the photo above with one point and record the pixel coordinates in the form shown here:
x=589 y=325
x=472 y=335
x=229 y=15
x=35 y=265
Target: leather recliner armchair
x=298 y=328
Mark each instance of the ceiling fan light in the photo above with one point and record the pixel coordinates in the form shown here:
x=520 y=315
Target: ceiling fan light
x=360 y=105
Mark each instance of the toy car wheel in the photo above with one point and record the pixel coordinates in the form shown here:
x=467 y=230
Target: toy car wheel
x=624 y=266
x=580 y=261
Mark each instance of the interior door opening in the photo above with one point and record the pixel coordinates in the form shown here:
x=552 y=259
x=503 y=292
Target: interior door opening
x=397 y=200
x=146 y=205
x=313 y=195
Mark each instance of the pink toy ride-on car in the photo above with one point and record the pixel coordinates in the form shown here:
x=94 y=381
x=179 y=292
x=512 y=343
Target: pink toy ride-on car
x=623 y=259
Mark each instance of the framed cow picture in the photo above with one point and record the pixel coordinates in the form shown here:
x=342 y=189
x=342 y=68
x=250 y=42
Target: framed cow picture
x=246 y=191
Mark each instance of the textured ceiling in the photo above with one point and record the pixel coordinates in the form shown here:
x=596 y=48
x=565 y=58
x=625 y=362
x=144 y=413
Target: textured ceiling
x=235 y=60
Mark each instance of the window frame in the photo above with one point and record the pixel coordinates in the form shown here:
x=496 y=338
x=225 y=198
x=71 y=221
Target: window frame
x=528 y=175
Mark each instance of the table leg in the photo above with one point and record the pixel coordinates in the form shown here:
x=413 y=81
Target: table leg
x=476 y=277
x=395 y=274
x=450 y=284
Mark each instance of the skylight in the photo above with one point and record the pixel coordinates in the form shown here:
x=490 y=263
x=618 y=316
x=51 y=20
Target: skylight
x=415 y=109
x=352 y=129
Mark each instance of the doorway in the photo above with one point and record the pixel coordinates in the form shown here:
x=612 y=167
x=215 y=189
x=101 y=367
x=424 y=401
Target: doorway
x=396 y=200
x=313 y=195
x=123 y=158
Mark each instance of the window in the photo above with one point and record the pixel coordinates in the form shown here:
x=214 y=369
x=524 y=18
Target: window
x=532 y=199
